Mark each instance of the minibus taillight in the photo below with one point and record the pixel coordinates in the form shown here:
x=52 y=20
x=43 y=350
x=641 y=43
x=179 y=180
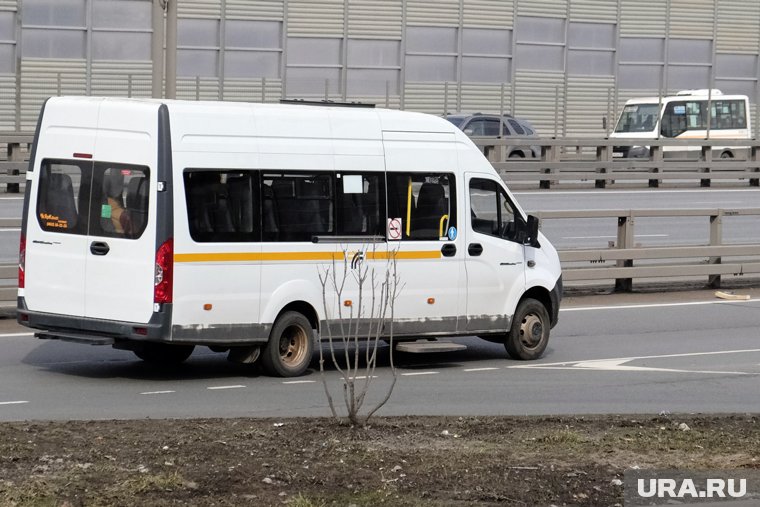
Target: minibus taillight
x=22 y=262
x=162 y=289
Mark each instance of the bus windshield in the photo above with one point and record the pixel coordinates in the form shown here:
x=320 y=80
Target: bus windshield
x=638 y=118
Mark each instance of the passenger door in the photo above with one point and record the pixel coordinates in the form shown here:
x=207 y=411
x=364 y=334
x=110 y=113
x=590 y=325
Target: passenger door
x=494 y=264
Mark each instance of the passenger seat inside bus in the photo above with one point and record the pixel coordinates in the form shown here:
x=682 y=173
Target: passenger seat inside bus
x=432 y=205
x=137 y=202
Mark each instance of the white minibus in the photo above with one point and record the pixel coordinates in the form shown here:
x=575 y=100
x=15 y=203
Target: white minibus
x=683 y=116
x=157 y=226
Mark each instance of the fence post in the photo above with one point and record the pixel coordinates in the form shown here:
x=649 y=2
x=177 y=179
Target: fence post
x=603 y=154
x=707 y=157
x=624 y=240
x=755 y=167
x=716 y=238
x=655 y=155
x=552 y=157
x=14 y=155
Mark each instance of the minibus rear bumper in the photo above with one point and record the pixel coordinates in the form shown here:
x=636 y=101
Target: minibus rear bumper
x=95 y=331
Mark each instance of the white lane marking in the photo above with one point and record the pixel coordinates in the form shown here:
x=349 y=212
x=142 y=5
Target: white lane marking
x=364 y=377
x=10 y=229
x=217 y=388
x=13 y=402
x=11 y=335
x=653 y=305
x=159 y=392
x=416 y=373
x=617 y=364
x=480 y=369
x=300 y=382
x=589 y=237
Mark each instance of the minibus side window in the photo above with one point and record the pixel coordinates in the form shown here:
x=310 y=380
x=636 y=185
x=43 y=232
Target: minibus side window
x=491 y=211
x=424 y=203
x=120 y=207
x=297 y=206
x=222 y=205
x=63 y=200
x=360 y=201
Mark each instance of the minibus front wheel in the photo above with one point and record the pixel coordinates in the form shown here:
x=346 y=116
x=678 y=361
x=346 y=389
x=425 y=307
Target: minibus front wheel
x=290 y=347
x=529 y=333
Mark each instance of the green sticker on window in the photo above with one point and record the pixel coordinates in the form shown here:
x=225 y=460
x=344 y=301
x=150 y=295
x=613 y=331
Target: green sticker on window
x=105 y=211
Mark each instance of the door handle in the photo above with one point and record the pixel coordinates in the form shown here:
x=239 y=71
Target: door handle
x=449 y=250
x=99 y=248
x=475 y=249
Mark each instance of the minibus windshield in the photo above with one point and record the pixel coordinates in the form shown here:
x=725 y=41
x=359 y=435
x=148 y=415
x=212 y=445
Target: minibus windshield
x=638 y=118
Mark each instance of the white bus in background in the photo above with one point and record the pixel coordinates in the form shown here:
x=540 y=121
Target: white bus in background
x=157 y=226
x=684 y=116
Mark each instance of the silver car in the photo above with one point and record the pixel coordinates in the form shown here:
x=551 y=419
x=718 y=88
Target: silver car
x=487 y=125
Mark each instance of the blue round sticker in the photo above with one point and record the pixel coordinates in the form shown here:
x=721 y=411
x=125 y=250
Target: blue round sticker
x=452 y=233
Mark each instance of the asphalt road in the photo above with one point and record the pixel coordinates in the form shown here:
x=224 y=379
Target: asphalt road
x=678 y=352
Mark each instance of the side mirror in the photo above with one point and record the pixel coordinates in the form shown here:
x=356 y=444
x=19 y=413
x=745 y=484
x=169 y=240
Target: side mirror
x=526 y=233
x=532 y=232
x=469 y=132
x=604 y=123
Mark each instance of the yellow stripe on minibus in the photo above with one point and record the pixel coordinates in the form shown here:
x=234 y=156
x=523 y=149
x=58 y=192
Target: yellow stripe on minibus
x=298 y=256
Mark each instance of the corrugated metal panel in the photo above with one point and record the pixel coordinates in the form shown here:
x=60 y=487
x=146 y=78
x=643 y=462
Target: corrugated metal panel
x=539 y=98
x=41 y=79
x=692 y=18
x=323 y=18
x=488 y=13
x=738 y=26
x=198 y=89
x=252 y=90
x=432 y=12
x=593 y=10
x=485 y=98
x=546 y=8
x=429 y=97
x=8 y=5
x=643 y=17
x=375 y=19
x=259 y=10
x=199 y=9
x=588 y=101
x=122 y=79
x=8 y=102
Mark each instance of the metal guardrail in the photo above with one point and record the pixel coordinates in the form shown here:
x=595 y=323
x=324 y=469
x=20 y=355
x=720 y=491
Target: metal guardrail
x=587 y=160
x=617 y=263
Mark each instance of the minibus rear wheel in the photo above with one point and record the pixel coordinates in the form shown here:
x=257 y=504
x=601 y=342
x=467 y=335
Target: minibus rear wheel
x=164 y=353
x=529 y=333
x=289 y=349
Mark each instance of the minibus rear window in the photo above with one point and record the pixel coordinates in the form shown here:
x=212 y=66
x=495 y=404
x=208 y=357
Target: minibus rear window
x=93 y=198
x=63 y=200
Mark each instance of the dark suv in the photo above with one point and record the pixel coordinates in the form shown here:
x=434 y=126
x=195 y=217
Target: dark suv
x=487 y=125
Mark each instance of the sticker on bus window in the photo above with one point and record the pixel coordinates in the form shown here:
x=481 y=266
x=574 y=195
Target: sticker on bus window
x=452 y=233
x=394 y=229
x=679 y=109
x=105 y=211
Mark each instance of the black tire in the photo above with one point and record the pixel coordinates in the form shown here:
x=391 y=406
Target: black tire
x=164 y=353
x=529 y=333
x=290 y=347
x=726 y=155
x=516 y=154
